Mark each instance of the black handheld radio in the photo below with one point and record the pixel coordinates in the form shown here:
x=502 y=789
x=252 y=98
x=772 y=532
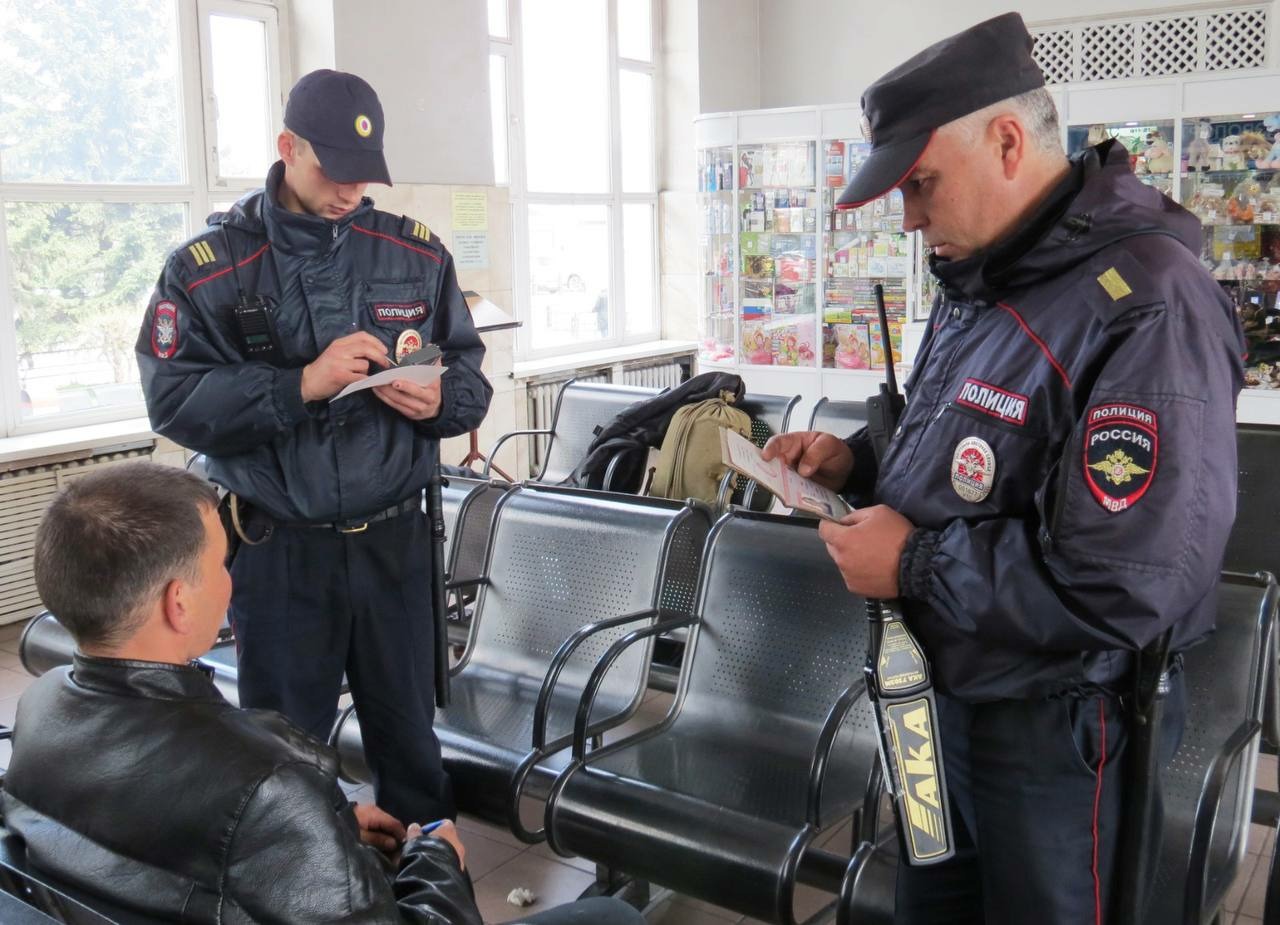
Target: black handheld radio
x=898 y=680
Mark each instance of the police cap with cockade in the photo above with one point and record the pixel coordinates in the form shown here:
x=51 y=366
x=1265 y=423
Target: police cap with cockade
x=982 y=65
x=339 y=114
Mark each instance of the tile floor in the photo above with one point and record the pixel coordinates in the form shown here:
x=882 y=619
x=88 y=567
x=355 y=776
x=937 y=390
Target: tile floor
x=499 y=862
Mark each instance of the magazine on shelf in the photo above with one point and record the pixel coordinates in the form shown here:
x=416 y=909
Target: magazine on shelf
x=787 y=485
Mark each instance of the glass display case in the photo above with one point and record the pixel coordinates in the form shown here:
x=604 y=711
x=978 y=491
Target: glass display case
x=716 y=255
x=1228 y=167
x=1150 y=145
x=777 y=246
x=861 y=247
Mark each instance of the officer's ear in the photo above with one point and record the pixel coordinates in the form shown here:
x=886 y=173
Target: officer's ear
x=287 y=145
x=1012 y=136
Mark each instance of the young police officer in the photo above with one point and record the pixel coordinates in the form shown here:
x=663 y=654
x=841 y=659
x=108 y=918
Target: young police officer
x=299 y=290
x=1061 y=485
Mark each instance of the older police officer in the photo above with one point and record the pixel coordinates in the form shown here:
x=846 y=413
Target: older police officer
x=1061 y=485
x=298 y=290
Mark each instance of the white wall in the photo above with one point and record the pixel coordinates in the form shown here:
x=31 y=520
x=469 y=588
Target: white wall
x=729 y=48
x=827 y=51
x=429 y=62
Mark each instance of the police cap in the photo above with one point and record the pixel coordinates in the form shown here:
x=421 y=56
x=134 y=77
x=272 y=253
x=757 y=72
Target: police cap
x=339 y=114
x=982 y=65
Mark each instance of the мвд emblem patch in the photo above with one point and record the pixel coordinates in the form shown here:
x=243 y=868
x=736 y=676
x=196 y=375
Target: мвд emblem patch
x=1121 y=446
x=164 y=330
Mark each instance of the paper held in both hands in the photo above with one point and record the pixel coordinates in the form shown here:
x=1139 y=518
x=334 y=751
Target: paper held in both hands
x=787 y=485
x=422 y=375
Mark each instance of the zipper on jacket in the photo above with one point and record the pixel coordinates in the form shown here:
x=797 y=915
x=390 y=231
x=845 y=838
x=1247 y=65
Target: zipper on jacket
x=975 y=414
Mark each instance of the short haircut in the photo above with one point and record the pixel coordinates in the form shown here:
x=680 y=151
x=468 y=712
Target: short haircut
x=1034 y=109
x=111 y=541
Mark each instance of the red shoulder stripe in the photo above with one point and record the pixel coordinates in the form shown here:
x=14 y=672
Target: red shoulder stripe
x=387 y=237
x=1038 y=342
x=250 y=259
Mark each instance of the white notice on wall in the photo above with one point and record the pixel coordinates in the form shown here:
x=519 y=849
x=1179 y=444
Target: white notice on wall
x=471 y=250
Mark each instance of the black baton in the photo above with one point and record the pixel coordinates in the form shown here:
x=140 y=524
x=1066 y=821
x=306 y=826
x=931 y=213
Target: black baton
x=435 y=512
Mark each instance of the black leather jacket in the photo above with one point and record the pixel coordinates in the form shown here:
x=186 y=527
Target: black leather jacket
x=137 y=782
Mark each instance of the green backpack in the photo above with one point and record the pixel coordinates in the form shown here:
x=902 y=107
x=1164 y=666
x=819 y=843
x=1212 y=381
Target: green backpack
x=689 y=463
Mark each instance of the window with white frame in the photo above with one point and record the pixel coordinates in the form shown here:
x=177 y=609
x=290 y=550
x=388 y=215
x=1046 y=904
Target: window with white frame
x=116 y=140
x=575 y=135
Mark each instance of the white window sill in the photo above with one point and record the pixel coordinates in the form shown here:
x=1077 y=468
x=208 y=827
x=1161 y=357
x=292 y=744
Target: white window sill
x=531 y=369
x=73 y=442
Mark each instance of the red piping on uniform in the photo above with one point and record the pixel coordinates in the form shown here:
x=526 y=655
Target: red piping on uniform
x=387 y=237
x=1097 y=800
x=843 y=207
x=250 y=259
x=1038 y=342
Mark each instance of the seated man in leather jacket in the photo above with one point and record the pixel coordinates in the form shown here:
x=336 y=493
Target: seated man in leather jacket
x=134 y=781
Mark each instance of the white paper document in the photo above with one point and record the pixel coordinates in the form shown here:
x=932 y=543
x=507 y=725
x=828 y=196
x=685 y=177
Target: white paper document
x=787 y=485
x=422 y=375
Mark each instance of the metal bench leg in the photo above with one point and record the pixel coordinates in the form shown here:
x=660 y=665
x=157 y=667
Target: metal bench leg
x=611 y=882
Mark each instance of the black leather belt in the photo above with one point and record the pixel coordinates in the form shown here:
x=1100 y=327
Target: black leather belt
x=361 y=524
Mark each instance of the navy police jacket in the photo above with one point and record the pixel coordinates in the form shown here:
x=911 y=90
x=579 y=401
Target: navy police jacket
x=1068 y=450
x=370 y=271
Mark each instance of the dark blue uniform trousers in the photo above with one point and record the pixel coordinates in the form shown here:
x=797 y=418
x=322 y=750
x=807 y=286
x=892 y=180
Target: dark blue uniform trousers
x=311 y=603
x=1036 y=791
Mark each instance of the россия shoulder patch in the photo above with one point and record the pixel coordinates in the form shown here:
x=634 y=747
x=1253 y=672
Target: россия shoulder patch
x=1121 y=449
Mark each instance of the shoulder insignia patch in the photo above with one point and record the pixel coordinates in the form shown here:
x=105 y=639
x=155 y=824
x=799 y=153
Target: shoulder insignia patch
x=200 y=255
x=1121 y=447
x=1115 y=285
x=164 y=330
x=416 y=230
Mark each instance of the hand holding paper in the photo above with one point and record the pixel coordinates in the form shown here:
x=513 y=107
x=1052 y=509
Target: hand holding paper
x=419 y=375
x=791 y=488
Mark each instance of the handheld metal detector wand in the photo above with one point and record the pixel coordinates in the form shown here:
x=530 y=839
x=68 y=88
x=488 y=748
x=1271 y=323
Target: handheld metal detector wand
x=899 y=683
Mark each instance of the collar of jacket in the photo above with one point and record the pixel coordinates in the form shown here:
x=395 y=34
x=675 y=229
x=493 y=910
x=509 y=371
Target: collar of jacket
x=1099 y=202
x=157 y=680
x=299 y=233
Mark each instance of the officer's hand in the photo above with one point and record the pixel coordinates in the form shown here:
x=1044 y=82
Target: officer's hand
x=867 y=547
x=822 y=457
x=379 y=828
x=343 y=362
x=448 y=832
x=416 y=402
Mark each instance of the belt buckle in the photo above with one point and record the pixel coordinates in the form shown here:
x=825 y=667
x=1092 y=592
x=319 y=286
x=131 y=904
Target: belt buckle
x=359 y=528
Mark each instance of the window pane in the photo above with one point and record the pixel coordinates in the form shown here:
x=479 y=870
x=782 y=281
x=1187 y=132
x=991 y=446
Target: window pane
x=241 y=89
x=637 y=266
x=566 y=111
x=82 y=275
x=568 y=274
x=635 y=38
x=636 y=94
x=89 y=92
x=498 y=27
x=498 y=114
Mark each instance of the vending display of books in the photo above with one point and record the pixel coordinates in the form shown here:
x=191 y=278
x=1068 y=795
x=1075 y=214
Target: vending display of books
x=716 y=171
x=777 y=247
x=861 y=247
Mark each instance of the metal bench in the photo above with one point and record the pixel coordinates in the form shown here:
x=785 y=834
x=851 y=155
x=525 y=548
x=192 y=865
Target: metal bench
x=581 y=407
x=1207 y=788
x=769 y=739
x=841 y=418
x=567 y=572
